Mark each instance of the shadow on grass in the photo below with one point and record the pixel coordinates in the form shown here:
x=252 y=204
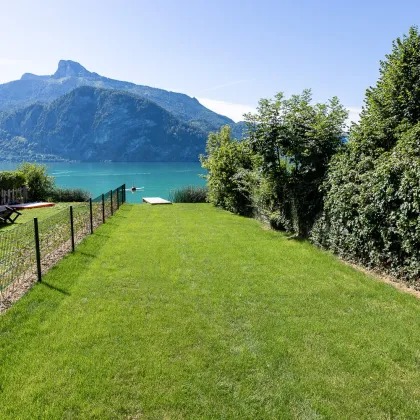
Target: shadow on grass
x=89 y=255
x=40 y=302
x=124 y=208
x=8 y=226
x=57 y=289
x=297 y=238
x=3 y=225
x=102 y=235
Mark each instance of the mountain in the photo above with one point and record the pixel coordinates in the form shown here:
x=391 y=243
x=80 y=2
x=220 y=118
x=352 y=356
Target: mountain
x=96 y=124
x=32 y=89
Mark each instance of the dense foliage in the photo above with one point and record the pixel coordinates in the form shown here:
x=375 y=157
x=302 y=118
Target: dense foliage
x=38 y=182
x=227 y=160
x=40 y=185
x=189 y=194
x=16 y=148
x=296 y=141
x=276 y=172
x=372 y=205
x=10 y=180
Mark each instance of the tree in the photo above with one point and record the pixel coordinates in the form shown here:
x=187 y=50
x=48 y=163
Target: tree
x=296 y=141
x=372 y=202
x=224 y=158
x=37 y=180
x=10 y=180
x=393 y=105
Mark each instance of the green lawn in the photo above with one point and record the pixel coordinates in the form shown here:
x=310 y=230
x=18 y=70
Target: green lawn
x=186 y=311
x=30 y=214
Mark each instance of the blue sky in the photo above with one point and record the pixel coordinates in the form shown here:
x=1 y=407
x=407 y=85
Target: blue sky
x=228 y=54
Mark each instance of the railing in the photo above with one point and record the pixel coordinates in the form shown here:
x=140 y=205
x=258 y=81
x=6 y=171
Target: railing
x=30 y=250
x=10 y=196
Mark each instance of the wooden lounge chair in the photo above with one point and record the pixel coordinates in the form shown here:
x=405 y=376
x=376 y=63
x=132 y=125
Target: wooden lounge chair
x=7 y=214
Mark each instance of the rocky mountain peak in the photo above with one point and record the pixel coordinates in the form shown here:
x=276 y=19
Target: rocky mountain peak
x=68 y=68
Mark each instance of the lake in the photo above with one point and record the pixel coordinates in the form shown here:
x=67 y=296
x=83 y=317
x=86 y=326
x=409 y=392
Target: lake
x=157 y=178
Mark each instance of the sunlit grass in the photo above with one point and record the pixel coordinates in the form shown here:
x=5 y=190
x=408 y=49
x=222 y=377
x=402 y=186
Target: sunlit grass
x=29 y=214
x=186 y=311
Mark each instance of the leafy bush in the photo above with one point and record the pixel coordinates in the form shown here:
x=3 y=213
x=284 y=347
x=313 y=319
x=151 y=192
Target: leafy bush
x=295 y=140
x=276 y=172
x=10 y=180
x=40 y=185
x=372 y=205
x=189 y=194
x=59 y=194
x=372 y=211
x=223 y=160
x=38 y=182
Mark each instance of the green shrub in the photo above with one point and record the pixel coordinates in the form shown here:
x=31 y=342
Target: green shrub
x=189 y=194
x=372 y=204
x=296 y=140
x=59 y=194
x=275 y=173
x=223 y=160
x=38 y=182
x=372 y=210
x=40 y=185
x=10 y=180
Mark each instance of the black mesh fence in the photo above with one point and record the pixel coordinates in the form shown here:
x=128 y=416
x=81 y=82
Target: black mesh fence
x=17 y=259
x=31 y=249
x=108 y=207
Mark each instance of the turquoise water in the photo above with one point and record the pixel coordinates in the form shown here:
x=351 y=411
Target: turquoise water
x=157 y=178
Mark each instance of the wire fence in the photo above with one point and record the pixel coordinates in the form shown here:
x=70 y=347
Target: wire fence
x=30 y=250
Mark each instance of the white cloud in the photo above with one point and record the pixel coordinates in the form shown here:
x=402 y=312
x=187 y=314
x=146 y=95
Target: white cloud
x=229 y=109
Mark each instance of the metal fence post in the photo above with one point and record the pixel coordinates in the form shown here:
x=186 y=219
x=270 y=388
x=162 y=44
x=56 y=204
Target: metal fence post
x=103 y=208
x=112 y=210
x=118 y=198
x=72 y=228
x=37 y=250
x=124 y=192
x=91 y=215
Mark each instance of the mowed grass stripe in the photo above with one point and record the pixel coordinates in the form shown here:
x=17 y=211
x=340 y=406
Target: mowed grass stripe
x=187 y=311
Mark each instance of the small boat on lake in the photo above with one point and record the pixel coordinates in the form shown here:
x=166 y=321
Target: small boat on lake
x=133 y=188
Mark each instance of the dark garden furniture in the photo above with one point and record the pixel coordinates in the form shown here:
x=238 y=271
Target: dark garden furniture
x=7 y=214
